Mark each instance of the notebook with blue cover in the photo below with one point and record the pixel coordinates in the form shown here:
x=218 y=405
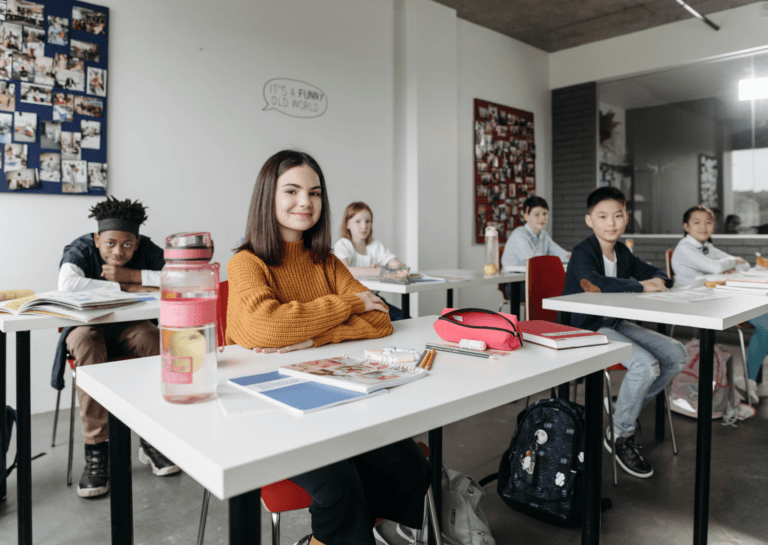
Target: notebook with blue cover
x=296 y=394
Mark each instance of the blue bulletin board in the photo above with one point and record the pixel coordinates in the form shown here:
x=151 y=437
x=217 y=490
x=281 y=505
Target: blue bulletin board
x=53 y=97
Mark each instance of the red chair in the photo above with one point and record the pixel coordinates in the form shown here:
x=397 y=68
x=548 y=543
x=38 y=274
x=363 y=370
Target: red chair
x=544 y=277
x=284 y=496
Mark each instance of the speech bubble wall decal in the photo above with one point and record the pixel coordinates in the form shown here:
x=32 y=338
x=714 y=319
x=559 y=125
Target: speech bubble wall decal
x=294 y=98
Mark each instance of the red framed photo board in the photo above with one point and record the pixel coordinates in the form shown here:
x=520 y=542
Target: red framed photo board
x=505 y=172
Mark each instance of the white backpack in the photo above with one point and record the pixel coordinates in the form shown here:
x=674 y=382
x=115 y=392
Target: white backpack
x=463 y=522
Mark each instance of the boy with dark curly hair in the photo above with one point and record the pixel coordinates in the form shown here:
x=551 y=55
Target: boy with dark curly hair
x=115 y=257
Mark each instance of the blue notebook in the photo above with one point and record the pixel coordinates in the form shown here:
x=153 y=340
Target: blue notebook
x=296 y=394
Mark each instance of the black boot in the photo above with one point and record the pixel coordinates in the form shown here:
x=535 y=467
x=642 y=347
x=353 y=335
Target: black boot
x=95 y=479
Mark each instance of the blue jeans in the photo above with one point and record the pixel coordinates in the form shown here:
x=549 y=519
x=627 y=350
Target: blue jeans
x=758 y=346
x=656 y=360
x=348 y=496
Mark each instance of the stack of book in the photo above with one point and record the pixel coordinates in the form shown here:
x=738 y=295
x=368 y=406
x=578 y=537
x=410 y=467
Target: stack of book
x=746 y=286
x=313 y=385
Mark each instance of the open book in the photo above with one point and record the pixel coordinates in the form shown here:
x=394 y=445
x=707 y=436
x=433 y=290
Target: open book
x=352 y=373
x=82 y=306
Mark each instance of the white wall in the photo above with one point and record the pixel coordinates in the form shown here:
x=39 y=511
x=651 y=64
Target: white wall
x=187 y=134
x=667 y=46
x=187 y=131
x=500 y=69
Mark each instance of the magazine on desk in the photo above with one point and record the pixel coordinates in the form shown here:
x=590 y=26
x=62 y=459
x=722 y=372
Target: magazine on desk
x=354 y=373
x=82 y=306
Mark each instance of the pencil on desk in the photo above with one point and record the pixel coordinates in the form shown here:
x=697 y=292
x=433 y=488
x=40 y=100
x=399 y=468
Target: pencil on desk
x=421 y=358
x=432 y=359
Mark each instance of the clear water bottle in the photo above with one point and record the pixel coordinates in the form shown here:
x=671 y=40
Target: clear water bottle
x=189 y=285
x=491 y=251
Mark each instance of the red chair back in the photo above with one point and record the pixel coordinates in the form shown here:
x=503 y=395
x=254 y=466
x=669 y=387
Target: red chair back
x=221 y=308
x=544 y=277
x=668 y=256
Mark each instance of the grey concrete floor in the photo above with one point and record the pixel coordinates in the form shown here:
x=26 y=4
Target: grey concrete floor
x=653 y=511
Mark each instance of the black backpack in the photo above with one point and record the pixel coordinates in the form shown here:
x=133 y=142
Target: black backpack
x=540 y=474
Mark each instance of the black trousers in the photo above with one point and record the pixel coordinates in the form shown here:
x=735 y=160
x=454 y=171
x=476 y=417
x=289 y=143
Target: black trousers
x=348 y=496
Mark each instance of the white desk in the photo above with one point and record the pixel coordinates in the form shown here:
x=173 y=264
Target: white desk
x=708 y=316
x=466 y=278
x=233 y=456
x=21 y=326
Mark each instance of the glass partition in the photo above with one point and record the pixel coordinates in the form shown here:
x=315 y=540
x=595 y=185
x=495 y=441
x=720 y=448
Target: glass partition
x=673 y=139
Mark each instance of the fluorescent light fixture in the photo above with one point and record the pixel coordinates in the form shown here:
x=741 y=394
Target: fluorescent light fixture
x=753 y=89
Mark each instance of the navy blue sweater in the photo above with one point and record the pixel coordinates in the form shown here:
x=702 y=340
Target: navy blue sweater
x=587 y=263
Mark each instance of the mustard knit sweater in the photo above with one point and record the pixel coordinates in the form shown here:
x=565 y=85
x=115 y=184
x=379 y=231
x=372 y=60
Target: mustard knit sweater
x=273 y=307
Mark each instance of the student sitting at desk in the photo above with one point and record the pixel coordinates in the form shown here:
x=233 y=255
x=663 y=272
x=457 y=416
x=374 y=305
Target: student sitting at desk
x=360 y=252
x=695 y=255
x=530 y=240
x=117 y=258
x=288 y=292
x=602 y=263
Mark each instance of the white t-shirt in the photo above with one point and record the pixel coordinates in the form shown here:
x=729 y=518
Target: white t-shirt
x=375 y=252
x=610 y=266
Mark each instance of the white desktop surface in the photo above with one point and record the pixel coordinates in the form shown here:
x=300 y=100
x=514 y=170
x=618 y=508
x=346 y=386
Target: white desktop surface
x=146 y=310
x=468 y=278
x=715 y=314
x=230 y=455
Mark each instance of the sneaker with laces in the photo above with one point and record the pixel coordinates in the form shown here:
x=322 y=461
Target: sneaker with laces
x=95 y=479
x=628 y=455
x=161 y=466
x=304 y=540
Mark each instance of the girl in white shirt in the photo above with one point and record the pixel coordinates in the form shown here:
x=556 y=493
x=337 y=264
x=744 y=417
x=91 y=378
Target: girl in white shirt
x=360 y=252
x=695 y=255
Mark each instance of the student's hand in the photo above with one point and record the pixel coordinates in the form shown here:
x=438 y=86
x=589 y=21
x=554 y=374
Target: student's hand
x=374 y=266
x=136 y=288
x=654 y=284
x=121 y=274
x=298 y=346
x=371 y=301
x=729 y=271
x=740 y=261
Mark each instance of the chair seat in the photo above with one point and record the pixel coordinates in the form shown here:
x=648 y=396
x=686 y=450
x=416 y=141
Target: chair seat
x=617 y=367
x=284 y=496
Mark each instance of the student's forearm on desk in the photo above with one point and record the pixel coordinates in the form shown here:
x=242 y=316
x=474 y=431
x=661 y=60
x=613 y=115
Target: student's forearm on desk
x=72 y=278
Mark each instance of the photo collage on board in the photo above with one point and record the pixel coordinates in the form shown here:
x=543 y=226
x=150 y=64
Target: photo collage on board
x=53 y=88
x=504 y=158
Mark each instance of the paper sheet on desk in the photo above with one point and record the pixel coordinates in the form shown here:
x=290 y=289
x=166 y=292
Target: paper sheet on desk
x=234 y=401
x=681 y=295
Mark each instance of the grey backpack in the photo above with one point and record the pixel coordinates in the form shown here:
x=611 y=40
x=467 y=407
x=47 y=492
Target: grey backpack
x=463 y=522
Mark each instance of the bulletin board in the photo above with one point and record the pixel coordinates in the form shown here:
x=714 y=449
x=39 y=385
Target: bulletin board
x=53 y=97
x=505 y=155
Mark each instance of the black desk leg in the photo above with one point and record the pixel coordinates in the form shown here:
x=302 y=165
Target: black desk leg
x=24 y=438
x=449 y=298
x=703 y=438
x=593 y=439
x=121 y=494
x=660 y=410
x=245 y=518
x=564 y=391
x=514 y=300
x=406 y=306
x=436 y=461
x=3 y=489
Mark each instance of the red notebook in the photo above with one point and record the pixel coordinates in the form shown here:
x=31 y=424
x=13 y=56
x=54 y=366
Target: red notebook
x=559 y=336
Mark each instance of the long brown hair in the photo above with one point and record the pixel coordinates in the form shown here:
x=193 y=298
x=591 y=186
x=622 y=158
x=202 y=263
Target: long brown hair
x=349 y=213
x=262 y=232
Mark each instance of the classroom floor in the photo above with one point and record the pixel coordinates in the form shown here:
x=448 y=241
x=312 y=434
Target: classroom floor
x=656 y=510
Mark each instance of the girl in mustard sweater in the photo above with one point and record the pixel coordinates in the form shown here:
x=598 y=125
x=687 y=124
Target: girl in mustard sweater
x=288 y=292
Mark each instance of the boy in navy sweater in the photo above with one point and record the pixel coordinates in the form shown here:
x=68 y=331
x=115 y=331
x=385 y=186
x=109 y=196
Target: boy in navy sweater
x=116 y=257
x=602 y=263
